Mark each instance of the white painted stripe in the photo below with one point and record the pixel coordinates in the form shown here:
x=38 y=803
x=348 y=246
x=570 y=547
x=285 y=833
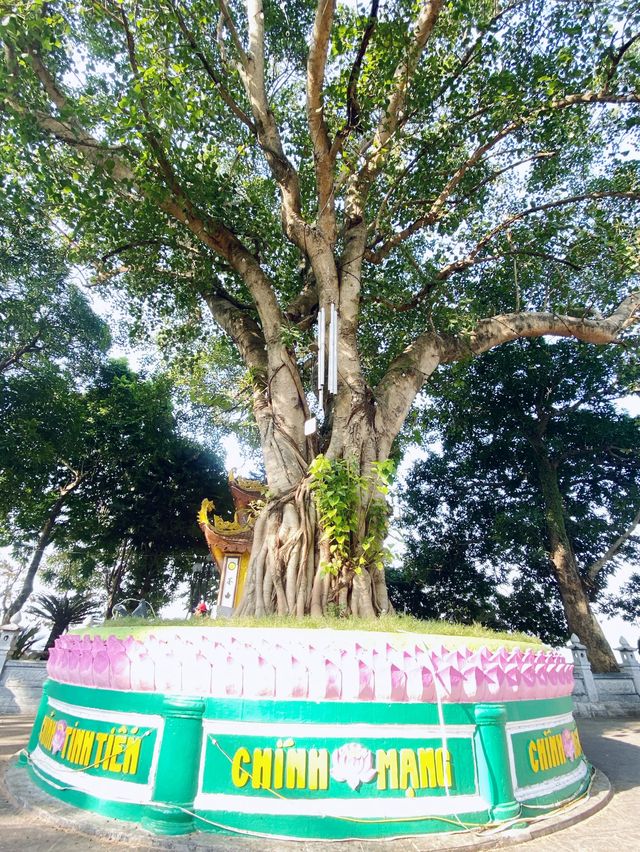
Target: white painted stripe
x=541 y=723
x=94 y=785
x=114 y=717
x=544 y=788
x=284 y=730
x=365 y=809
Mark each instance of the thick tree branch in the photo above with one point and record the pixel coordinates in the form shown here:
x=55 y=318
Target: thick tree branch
x=228 y=22
x=617 y=58
x=408 y=372
x=404 y=72
x=20 y=350
x=596 y=567
x=472 y=257
x=252 y=72
x=437 y=208
x=402 y=77
x=210 y=70
x=243 y=330
x=212 y=233
x=318 y=129
x=357 y=191
x=494 y=331
x=353 y=105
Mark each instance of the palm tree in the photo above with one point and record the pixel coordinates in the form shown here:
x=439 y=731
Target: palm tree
x=61 y=612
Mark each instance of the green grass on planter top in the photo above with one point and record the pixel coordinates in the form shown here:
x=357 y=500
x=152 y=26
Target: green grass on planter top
x=472 y=635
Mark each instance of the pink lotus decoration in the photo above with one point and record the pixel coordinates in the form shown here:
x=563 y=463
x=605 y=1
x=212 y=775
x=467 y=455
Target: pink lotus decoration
x=252 y=665
x=568 y=744
x=353 y=764
x=59 y=737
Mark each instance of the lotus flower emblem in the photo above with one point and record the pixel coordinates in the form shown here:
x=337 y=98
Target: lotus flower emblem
x=353 y=764
x=59 y=737
x=568 y=744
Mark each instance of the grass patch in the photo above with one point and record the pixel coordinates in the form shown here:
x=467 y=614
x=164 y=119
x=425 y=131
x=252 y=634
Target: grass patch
x=472 y=635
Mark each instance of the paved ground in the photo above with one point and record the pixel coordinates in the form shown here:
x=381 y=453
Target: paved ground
x=612 y=745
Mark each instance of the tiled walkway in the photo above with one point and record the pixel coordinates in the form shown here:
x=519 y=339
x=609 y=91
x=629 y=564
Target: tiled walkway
x=612 y=745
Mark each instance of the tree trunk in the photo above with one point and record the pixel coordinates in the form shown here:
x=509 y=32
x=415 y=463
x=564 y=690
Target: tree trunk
x=44 y=539
x=580 y=618
x=287 y=572
x=113 y=579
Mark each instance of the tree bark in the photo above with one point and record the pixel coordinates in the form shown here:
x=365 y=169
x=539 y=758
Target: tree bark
x=580 y=618
x=287 y=573
x=44 y=539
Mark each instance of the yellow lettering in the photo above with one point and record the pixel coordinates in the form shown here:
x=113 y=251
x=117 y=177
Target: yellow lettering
x=443 y=767
x=408 y=769
x=262 y=763
x=84 y=757
x=542 y=753
x=74 y=751
x=47 y=731
x=387 y=760
x=131 y=756
x=554 y=757
x=107 y=751
x=533 y=756
x=427 y=763
x=240 y=776
x=68 y=736
x=576 y=742
x=100 y=741
x=296 y=773
x=118 y=747
x=318 y=769
x=278 y=769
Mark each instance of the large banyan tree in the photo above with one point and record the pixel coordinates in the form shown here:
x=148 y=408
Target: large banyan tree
x=449 y=175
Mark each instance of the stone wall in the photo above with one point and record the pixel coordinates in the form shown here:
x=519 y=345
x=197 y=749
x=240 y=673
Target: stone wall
x=606 y=694
x=21 y=686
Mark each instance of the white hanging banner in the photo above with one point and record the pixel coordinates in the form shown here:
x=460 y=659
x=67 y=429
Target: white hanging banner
x=321 y=357
x=327 y=355
x=321 y=350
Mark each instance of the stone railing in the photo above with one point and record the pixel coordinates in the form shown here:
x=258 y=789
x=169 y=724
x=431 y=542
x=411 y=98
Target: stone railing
x=20 y=682
x=605 y=694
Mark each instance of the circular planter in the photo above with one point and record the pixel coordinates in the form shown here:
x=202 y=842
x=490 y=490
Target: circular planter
x=306 y=733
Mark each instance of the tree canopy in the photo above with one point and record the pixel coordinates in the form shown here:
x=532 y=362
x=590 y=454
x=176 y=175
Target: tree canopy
x=104 y=474
x=44 y=316
x=516 y=427
x=451 y=176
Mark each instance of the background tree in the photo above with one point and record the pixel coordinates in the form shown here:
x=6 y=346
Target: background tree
x=625 y=602
x=61 y=613
x=415 y=165
x=43 y=315
x=538 y=474
x=104 y=475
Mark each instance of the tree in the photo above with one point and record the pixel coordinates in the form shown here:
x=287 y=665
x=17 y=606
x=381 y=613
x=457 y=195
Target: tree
x=62 y=612
x=626 y=602
x=44 y=316
x=445 y=189
x=104 y=475
x=538 y=474
x=40 y=464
